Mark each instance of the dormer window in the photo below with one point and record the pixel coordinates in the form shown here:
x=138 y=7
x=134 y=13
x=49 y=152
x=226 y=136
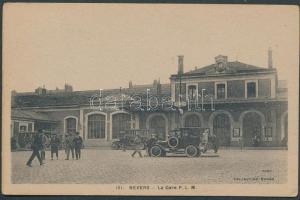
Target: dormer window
x=221 y=62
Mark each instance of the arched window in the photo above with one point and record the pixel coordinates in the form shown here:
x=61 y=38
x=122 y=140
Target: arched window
x=158 y=123
x=120 y=122
x=96 y=126
x=70 y=125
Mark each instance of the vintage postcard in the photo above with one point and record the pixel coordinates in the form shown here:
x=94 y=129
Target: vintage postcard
x=150 y=99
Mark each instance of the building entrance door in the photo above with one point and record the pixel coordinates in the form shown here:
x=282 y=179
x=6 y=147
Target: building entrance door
x=221 y=129
x=158 y=123
x=252 y=129
x=120 y=122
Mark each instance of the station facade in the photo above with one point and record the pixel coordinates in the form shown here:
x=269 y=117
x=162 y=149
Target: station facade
x=234 y=100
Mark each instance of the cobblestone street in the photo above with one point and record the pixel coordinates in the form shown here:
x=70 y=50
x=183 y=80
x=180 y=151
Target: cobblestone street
x=112 y=166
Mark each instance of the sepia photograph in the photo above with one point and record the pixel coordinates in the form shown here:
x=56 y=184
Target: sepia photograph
x=150 y=99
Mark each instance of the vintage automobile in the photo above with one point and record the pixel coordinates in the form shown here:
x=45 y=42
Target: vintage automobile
x=126 y=138
x=179 y=141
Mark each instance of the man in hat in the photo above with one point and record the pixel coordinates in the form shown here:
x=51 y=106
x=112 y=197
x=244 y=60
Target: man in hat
x=78 y=143
x=69 y=145
x=44 y=141
x=54 y=144
x=36 y=146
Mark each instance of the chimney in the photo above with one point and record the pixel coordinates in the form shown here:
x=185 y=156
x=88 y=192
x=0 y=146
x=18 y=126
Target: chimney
x=180 y=64
x=68 y=88
x=154 y=83
x=158 y=87
x=270 y=59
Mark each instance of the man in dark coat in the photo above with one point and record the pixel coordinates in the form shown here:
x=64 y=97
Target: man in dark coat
x=78 y=142
x=69 y=145
x=36 y=146
x=54 y=144
x=44 y=140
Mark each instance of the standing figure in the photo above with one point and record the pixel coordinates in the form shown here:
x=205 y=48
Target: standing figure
x=36 y=146
x=214 y=141
x=69 y=145
x=241 y=142
x=78 y=143
x=44 y=140
x=54 y=144
x=204 y=140
x=137 y=146
x=150 y=143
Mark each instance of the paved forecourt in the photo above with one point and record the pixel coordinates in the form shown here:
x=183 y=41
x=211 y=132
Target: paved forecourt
x=115 y=166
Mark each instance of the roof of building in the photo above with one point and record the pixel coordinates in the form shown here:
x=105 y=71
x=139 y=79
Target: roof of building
x=234 y=67
x=30 y=115
x=84 y=97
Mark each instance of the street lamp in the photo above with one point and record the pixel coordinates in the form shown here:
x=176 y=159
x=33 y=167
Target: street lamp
x=148 y=90
x=202 y=91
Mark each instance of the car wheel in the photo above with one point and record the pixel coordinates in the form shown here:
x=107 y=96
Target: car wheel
x=155 y=151
x=191 y=151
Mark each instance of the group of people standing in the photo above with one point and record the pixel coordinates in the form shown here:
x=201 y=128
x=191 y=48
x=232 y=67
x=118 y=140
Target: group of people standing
x=73 y=142
x=41 y=141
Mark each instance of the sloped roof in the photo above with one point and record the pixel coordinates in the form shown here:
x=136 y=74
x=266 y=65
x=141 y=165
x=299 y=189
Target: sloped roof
x=83 y=97
x=232 y=67
x=30 y=115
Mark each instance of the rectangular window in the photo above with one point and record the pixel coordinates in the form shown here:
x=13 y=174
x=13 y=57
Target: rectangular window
x=179 y=91
x=264 y=88
x=251 y=90
x=220 y=91
x=192 y=92
x=23 y=128
x=30 y=127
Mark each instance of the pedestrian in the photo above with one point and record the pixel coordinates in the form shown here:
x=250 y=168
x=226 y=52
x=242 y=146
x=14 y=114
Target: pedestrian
x=204 y=140
x=241 y=142
x=150 y=143
x=78 y=144
x=69 y=145
x=54 y=144
x=214 y=141
x=137 y=146
x=44 y=140
x=36 y=146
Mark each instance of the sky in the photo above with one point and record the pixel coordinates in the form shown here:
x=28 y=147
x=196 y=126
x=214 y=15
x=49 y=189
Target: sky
x=100 y=46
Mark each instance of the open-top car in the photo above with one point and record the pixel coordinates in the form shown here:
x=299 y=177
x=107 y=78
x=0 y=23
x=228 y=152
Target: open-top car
x=179 y=141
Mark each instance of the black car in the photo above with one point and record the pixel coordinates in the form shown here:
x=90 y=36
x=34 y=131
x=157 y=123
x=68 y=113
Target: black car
x=179 y=141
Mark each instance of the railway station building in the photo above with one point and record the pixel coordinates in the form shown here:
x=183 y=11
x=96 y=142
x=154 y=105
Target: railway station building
x=234 y=100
